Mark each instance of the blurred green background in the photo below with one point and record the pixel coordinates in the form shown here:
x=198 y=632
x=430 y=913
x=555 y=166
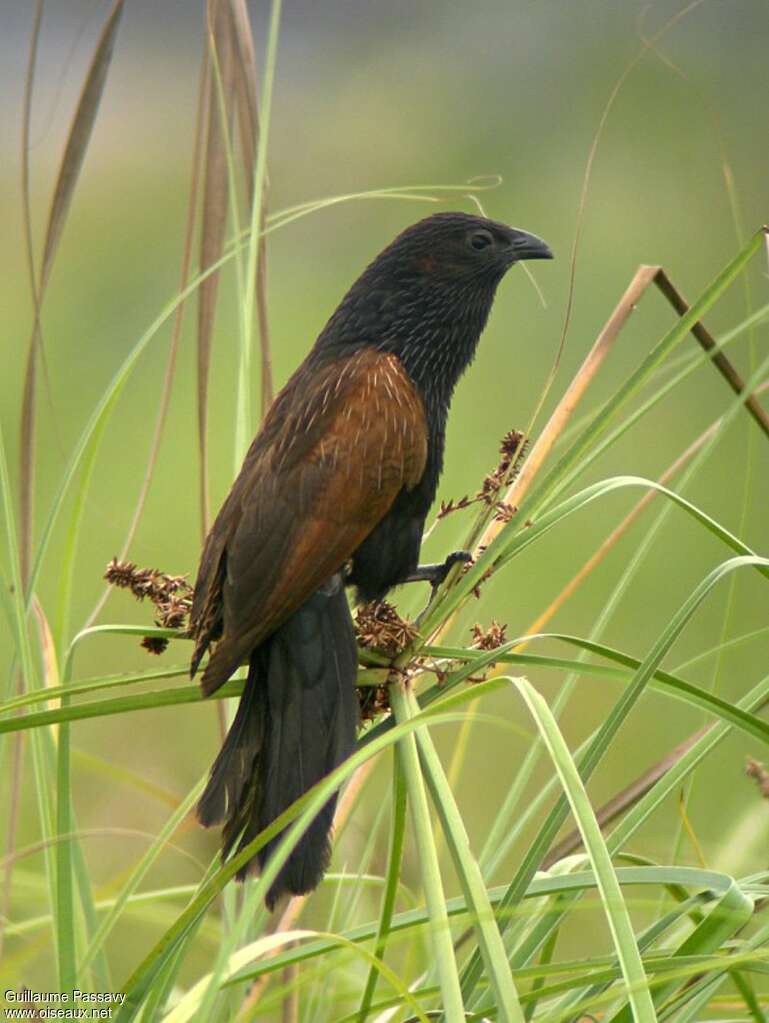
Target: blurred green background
x=381 y=94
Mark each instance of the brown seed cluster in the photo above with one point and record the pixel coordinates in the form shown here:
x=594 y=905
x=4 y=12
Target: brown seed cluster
x=489 y=639
x=380 y=627
x=512 y=449
x=447 y=507
x=476 y=590
x=155 y=644
x=171 y=595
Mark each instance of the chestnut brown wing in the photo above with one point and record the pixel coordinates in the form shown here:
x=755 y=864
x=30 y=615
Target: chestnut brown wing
x=318 y=478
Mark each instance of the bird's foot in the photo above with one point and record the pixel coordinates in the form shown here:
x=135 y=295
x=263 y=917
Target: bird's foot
x=436 y=574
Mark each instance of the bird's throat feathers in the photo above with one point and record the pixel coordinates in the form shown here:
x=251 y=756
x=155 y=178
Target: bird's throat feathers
x=431 y=326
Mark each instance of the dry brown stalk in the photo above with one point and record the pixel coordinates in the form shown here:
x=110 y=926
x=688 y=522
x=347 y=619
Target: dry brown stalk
x=574 y=392
x=719 y=360
x=289 y=1010
x=176 y=331
x=216 y=199
x=246 y=94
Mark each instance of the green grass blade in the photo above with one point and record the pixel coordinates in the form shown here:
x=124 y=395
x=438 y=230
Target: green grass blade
x=394 y=860
x=89 y=686
x=492 y=948
x=65 y=904
x=731 y=912
x=603 y=738
x=643 y=809
x=699 y=359
x=661 y=350
x=711 y=885
x=440 y=930
x=192 y=1004
x=662 y=681
x=615 y=908
x=25 y=659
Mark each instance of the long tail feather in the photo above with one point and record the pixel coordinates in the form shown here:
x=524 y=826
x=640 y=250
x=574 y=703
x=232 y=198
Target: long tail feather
x=296 y=722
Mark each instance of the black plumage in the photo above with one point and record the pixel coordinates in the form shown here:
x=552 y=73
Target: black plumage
x=335 y=490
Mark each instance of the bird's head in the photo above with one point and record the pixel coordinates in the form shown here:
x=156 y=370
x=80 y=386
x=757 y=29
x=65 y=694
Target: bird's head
x=458 y=248
x=427 y=296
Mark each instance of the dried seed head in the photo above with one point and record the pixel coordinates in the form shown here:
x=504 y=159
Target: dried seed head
x=447 y=507
x=120 y=573
x=171 y=595
x=505 y=512
x=491 y=638
x=379 y=626
x=173 y=613
x=154 y=644
x=512 y=448
x=512 y=443
x=146 y=582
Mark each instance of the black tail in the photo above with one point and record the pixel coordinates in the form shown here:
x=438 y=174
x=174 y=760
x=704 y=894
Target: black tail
x=296 y=722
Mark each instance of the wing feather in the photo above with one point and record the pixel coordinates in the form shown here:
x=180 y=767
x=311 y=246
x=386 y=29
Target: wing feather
x=320 y=475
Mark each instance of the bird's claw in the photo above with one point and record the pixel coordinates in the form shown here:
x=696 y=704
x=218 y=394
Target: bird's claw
x=436 y=574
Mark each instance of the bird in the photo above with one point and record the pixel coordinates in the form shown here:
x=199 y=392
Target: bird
x=333 y=493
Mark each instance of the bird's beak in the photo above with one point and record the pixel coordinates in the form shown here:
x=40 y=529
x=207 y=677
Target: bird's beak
x=527 y=246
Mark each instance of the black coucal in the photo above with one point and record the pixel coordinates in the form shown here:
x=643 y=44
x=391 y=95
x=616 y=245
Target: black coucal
x=334 y=491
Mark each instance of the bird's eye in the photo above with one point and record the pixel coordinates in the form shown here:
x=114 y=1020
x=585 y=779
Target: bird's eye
x=481 y=239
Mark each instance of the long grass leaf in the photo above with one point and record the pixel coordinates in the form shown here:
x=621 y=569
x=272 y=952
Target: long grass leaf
x=26 y=661
x=710 y=886
x=176 y=330
x=394 y=858
x=605 y=734
x=508 y=545
x=490 y=942
x=614 y=905
x=440 y=933
x=27 y=432
x=189 y=1006
x=75 y=149
x=138 y=873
